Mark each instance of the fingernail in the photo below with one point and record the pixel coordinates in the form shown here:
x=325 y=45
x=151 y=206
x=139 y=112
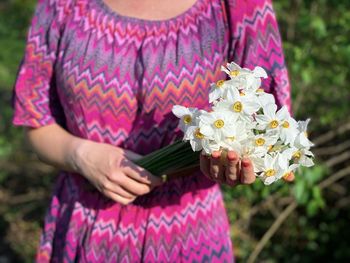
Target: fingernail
x=245 y=163
x=231 y=156
x=215 y=155
x=288 y=177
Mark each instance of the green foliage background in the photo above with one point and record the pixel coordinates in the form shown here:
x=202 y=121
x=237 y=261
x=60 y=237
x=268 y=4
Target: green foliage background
x=316 y=41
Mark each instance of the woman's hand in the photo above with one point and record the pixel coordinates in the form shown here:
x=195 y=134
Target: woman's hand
x=112 y=172
x=227 y=168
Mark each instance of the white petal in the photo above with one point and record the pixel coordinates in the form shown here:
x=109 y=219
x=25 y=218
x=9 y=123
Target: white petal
x=262 y=119
x=196 y=145
x=269 y=180
x=180 y=111
x=282 y=161
x=266 y=99
x=229 y=131
x=233 y=95
x=293 y=167
x=251 y=107
x=283 y=113
x=207 y=131
x=225 y=70
x=308 y=153
x=307 y=162
x=258 y=164
x=206 y=119
x=214 y=95
x=259 y=72
x=270 y=110
x=233 y=66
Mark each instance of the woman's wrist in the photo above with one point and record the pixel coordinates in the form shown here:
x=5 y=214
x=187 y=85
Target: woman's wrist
x=76 y=152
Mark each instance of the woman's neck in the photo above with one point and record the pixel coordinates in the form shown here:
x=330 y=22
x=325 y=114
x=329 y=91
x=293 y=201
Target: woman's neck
x=150 y=9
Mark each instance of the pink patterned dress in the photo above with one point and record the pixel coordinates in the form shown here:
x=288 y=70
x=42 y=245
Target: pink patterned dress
x=114 y=79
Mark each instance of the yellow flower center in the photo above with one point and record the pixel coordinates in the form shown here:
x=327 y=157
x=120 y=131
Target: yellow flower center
x=273 y=124
x=297 y=155
x=270 y=172
x=198 y=134
x=219 y=123
x=187 y=119
x=237 y=106
x=285 y=124
x=234 y=73
x=260 y=142
x=220 y=83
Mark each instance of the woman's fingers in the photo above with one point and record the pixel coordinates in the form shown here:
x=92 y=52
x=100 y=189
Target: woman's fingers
x=232 y=168
x=116 y=189
x=247 y=171
x=289 y=177
x=216 y=167
x=129 y=184
x=141 y=175
x=118 y=198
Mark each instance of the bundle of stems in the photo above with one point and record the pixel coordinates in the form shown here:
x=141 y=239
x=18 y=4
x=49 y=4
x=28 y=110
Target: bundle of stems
x=172 y=158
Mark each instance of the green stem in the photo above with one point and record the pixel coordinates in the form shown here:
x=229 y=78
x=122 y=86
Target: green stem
x=176 y=156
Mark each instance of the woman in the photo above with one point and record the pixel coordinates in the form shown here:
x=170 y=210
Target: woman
x=95 y=91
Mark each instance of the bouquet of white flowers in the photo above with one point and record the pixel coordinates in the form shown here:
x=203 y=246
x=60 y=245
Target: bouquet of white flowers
x=244 y=119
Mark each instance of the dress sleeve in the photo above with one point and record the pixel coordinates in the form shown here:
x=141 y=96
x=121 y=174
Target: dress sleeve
x=35 y=101
x=256 y=41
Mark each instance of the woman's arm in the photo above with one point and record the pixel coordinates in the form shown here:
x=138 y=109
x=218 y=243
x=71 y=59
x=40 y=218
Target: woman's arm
x=108 y=168
x=54 y=146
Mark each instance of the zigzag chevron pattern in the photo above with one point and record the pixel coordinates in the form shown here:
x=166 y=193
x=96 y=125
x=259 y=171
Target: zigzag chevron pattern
x=114 y=79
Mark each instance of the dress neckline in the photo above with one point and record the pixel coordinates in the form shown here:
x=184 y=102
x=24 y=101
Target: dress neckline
x=192 y=10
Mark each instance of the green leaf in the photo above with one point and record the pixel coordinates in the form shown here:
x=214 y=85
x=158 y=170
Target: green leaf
x=299 y=191
x=312 y=208
x=316 y=193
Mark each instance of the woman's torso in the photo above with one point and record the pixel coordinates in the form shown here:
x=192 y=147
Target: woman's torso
x=118 y=77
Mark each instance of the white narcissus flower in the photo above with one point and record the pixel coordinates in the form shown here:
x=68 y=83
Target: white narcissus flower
x=284 y=159
x=217 y=125
x=271 y=171
x=187 y=116
x=219 y=89
x=259 y=72
x=288 y=127
x=255 y=83
x=235 y=142
x=263 y=142
x=241 y=106
x=263 y=98
x=300 y=156
x=195 y=137
x=271 y=120
x=301 y=140
x=235 y=71
x=245 y=78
